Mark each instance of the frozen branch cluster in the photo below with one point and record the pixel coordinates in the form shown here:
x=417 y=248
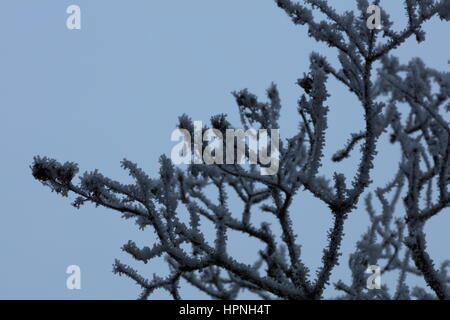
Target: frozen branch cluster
x=422 y=134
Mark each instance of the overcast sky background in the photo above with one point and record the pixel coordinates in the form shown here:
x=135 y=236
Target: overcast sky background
x=115 y=89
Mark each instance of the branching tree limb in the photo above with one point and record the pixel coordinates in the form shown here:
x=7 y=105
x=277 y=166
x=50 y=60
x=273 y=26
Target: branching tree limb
x=422 y=134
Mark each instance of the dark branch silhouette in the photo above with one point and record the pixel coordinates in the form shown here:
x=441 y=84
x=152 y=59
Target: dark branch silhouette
x=381 y=84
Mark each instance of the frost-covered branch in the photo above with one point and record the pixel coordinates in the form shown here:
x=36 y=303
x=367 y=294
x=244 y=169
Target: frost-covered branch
x=176 y=204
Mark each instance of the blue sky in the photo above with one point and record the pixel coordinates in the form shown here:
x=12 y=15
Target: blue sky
x=115 y=88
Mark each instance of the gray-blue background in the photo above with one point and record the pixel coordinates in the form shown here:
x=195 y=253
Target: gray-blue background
x=115 y=88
